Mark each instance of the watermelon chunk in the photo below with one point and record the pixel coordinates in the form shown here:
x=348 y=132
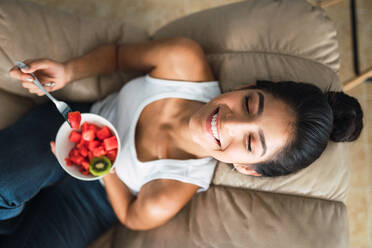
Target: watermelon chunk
x=104 y=133
x=112 y=154
x=99 y=151
x=83 y=171
x=88 y=135
x=93 y=144
x=77 y=159
x=68 y=162
x=82 y=143
x=85 y=165
x=90 y=155
x=83 y=151
x=93 y=127
x=110 y=143
x=74 y=137
x=73 y=152
x=85 y=126
x=74 y=118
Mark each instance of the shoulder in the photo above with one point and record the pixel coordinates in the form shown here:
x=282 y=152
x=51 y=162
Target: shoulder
x=185 y=60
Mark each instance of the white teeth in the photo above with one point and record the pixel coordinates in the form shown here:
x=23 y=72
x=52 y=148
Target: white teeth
x=214 y=127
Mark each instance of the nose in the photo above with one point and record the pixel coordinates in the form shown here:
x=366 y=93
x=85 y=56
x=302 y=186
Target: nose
x=236 y=125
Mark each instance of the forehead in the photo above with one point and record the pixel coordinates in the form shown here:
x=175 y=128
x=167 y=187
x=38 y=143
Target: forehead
x=276 y=122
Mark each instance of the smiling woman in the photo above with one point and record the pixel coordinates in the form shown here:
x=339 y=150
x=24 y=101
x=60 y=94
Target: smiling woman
x=312 y=119
x=251 y=125
x=274 y=129
x=174 y=124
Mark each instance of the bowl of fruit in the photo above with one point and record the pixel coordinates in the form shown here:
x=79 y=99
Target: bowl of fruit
x=89 y=148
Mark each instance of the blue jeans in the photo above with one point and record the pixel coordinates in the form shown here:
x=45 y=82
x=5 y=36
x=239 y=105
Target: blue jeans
x=40 y=204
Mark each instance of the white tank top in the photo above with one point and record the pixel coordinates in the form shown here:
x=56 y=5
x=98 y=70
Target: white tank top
x=123 y=110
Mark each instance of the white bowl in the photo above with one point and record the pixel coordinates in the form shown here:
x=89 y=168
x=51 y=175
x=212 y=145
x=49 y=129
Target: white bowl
x=64 y=145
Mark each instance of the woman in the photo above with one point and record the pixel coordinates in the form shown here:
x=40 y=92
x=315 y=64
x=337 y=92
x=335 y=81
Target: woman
x=171 y=123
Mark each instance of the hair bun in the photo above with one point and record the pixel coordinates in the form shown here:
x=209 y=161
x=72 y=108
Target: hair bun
x=347 y=117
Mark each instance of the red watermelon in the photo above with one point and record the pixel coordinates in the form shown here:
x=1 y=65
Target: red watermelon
x=88 y=135
x=104 y=133
x=74 y=118
x=112 y=154
x=91 y=142
x=110 y=143
x=74 y=137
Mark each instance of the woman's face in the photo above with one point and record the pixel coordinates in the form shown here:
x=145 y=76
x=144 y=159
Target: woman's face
x=242 y=127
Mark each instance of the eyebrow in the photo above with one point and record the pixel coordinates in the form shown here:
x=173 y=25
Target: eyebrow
x=260 y=132
x=263 y=143
x=260 y=103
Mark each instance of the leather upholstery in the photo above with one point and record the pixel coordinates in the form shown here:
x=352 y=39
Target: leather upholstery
x=245 y=41
x=273 y=40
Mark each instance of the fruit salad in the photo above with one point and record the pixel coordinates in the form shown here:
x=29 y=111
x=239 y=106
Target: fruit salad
x=95 y=147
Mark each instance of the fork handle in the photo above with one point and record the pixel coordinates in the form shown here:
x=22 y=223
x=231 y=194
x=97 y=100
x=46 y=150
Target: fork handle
x=38 y=84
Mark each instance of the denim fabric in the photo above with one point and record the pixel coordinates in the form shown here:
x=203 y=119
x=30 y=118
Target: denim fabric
x=40 y=204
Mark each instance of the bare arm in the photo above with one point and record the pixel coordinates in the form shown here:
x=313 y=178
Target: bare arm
x=173 y=58
x=118 y=195
x=157 y=202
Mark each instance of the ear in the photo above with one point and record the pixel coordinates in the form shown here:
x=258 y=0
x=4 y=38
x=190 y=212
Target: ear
x=247 y=169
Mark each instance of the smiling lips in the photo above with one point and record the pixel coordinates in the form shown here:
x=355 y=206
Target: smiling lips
x=212 y=126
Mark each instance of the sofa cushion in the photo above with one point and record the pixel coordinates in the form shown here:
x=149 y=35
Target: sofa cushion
x=273 y=40
x=105 y=240
x=289 y=28
x=30 y=31
x=230 y=217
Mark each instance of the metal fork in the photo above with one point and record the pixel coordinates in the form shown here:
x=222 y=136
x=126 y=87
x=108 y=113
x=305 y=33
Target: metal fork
x=62 y=107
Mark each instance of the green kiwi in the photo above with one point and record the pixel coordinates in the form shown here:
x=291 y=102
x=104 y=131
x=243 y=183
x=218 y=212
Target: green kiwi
x=100 y=166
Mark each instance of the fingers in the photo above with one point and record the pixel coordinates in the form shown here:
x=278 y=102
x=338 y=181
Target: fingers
x=42 y=66
x=53 y=147
x=33 y=89
x=18 y=74
x=34 y=65
x=37 y=65
x=50 y=84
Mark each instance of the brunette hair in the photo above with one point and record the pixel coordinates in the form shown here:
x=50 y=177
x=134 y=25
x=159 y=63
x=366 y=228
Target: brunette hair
x=319 y=117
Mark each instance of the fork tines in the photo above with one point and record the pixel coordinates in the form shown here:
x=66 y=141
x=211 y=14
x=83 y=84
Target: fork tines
x=65 y=112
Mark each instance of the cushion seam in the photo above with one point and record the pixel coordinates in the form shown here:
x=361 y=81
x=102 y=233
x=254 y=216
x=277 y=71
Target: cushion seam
x=280 y=193
x=270 y=53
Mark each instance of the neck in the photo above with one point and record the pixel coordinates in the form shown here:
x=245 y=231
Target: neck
x=181 y=133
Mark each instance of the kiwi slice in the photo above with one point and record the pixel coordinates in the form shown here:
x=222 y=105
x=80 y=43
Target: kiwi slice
x=100 y=166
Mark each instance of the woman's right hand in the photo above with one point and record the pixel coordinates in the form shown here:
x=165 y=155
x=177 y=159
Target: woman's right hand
x=46 y=70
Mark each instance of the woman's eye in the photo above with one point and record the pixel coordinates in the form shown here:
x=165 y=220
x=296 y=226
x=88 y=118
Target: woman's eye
x=249 y=144
x=246 y=103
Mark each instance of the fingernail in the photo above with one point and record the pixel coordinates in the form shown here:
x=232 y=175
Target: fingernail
x=29 y=79
x=50 y=84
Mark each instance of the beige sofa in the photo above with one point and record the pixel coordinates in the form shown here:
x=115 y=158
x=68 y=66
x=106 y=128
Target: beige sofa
x=245 y=41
